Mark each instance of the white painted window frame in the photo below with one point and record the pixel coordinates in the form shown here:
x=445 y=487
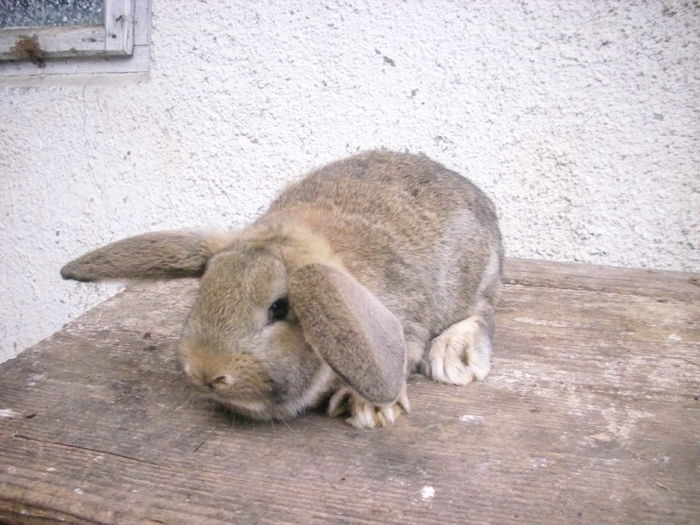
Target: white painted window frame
x=114 y=37
x=80 y=52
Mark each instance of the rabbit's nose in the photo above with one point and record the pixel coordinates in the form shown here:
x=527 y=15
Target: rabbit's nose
x=220 y=382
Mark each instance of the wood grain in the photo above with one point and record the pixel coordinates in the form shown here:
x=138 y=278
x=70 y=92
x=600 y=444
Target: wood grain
x=591 y=415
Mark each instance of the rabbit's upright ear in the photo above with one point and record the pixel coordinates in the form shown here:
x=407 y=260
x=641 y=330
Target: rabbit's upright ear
x=157 y=255
x=359 y=338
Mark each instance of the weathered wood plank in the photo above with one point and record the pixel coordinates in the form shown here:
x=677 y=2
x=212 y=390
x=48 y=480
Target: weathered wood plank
x=591 y=414
x=651 y=283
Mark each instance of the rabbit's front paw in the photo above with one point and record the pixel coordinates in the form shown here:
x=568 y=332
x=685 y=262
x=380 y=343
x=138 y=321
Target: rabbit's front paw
x=362 y=413
x=462 y=353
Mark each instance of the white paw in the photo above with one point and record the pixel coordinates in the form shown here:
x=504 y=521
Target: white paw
x=362 y=413
x=461 y=354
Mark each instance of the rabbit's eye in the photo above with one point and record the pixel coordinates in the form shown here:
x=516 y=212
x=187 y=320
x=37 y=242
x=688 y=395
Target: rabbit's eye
x=278 y=310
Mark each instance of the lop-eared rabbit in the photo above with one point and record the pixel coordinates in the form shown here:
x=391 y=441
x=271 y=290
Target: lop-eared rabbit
x=368 y=269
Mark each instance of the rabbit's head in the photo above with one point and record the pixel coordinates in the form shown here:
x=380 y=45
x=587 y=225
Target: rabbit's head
x=277 y=323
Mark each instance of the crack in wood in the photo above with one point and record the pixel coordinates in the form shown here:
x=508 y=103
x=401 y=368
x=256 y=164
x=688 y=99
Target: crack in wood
x=41 y=512
x=87 y=449
x=689 y=361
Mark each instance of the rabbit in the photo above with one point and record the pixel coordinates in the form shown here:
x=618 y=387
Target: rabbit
x=366 y=270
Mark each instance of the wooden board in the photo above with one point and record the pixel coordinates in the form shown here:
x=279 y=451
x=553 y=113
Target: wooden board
x=590 y=415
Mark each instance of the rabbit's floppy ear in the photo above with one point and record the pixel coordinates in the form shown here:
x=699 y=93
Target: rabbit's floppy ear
x=352 y=331
x=156 y=255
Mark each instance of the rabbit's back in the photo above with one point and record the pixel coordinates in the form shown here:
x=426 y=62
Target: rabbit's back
x=415 y=233
x=410 y=195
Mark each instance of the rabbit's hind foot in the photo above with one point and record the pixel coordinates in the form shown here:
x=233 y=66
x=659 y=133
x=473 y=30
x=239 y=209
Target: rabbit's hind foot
x=462 y=352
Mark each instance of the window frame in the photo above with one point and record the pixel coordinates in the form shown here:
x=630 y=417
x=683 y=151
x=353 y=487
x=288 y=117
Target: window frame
x=115 y=37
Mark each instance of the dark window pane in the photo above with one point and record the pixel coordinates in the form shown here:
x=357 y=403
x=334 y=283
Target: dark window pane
x=51 y=13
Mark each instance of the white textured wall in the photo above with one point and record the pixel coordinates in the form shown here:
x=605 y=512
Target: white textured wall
x=580 y=119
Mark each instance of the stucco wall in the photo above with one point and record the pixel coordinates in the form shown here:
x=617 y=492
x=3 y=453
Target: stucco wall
x=580 y=119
